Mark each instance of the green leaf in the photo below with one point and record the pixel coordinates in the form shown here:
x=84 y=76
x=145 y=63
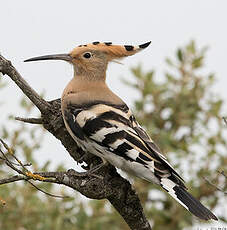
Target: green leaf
x=180 y=55
x=197 y=62
x=191 y=48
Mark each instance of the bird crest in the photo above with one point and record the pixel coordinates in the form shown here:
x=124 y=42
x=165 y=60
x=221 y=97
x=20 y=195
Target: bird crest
x=92 y=59
x=106 y=48
x=111 y=50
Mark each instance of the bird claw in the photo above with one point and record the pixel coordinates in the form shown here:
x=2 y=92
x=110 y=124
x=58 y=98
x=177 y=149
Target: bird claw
x=97 y=167
x=81 y=159
x=90 y=172
x=72 y=172
x=95 y=175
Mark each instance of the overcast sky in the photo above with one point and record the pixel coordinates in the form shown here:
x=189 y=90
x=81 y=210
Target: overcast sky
x=31 y=28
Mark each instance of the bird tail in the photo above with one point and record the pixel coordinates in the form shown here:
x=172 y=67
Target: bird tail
x=179 y=193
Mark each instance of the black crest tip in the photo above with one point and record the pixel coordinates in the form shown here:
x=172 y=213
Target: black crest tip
x=108 y=43
x=129 y=48
x=145 y=45
x=95 y=43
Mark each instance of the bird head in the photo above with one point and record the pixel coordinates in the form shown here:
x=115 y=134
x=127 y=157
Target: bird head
x=92 y=59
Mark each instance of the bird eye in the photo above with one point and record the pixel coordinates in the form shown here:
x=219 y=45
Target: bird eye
x=87 y=55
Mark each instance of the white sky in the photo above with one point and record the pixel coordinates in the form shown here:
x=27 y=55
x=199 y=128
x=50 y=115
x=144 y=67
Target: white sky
x=32 y=28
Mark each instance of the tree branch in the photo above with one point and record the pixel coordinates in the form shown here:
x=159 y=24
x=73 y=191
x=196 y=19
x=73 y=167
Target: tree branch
x=214 y=185
x=225 y=120
x=47 y=193
x=7 y=68
x=37 y=121
x=223 y=174
x=12 y=179
x=112 y=186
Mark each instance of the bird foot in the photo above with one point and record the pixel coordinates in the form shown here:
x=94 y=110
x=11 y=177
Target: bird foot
x=72 y=172
x=90 y=172
x=81 y=159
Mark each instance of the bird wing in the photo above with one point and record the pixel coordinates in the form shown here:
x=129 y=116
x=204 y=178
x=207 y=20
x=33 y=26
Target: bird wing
x=154 y=148
x=115 y=127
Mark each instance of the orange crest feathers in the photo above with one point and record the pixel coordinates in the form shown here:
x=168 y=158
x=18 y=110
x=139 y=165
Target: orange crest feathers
x=112 y=51
x=116 y=51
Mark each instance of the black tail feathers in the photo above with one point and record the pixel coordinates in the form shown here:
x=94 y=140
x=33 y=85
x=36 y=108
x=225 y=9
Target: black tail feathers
x=180 y=194
x=193 y=205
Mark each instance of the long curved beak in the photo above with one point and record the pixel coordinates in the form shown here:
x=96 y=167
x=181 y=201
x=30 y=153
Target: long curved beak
x=64 y=57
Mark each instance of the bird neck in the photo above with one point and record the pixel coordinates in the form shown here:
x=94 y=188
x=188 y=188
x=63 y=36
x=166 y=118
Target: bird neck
x=81 y=83
x=79 y=90
x=90 y=72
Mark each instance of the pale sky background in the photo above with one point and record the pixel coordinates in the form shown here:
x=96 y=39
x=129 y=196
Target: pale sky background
x=31 y=28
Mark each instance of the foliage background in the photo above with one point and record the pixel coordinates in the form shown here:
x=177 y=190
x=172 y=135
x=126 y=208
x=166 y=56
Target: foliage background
x=181 y=112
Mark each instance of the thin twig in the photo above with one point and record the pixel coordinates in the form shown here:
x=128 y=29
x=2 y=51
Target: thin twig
x=225 y=120
x=30 y=120
x=27 y=164
x=13 y=155
x=12 y=179
x=222 y=173
x=8 y=163
x=47 y=193
x=214 y=185
x=27 y=175
x=25 y=178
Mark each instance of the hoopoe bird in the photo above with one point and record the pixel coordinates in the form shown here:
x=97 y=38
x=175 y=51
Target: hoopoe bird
x=102 y=124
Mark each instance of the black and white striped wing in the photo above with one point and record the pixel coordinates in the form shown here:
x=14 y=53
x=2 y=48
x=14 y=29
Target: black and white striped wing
x=107 y=125
x=114 y=128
